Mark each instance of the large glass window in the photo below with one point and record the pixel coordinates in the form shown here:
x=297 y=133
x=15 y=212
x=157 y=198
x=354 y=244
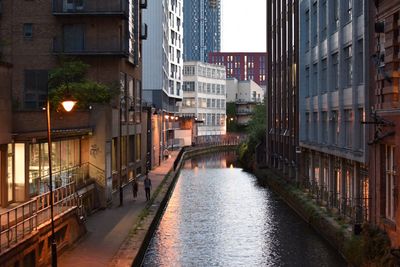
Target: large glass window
x=335 y=10
x=334 y=128
x=124 y=150
x=324 y=76
x=307 y=82
x=65 y=157
x=325 y=127
x=348 y=128
x=390 y=174
x=138 y=150
x=35 y=89
x=348 y=66
x=138 y=101
x=335 y=71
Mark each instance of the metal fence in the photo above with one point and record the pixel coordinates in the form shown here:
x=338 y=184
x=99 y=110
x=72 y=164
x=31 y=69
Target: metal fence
x=19 y=222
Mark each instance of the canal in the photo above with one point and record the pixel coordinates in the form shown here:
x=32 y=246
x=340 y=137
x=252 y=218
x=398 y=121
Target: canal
x=218 y=215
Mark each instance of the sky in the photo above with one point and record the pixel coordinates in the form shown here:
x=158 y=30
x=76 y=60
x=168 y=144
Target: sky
x=243 y=26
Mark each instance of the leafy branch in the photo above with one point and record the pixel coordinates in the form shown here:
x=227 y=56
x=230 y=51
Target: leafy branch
x=69 y=80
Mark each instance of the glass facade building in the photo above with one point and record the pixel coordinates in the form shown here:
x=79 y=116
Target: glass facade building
x=202 y=29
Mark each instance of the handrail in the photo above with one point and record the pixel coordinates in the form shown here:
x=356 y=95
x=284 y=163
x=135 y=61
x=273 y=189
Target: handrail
x=21 y=221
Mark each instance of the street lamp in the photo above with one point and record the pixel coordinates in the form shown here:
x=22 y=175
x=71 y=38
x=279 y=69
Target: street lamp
x=68 y=105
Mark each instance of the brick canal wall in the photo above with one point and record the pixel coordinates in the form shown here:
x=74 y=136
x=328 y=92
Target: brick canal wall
x=134 y=247
x=338 y=235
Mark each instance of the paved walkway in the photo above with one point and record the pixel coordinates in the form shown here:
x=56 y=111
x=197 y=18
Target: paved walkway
x=107 y=229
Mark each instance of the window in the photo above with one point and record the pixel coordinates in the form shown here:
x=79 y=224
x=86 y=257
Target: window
x=131 y=149
x=348 y=10
x=307 y=30
x=335 y=11
x=315 y=80
x=334 y=128
x=314 y=29
x=347 y=66
x=74 y=38
x=360 y=62
x=361 y=131
x=323 y=82
x=390 y=173
x=315 y=127
x=322 y=15
x=138 y=101
x=188 y=86
x=28 y=30
x=307 y=82
x=348 y=128
x=138 y=146
x=307 y=127
x=335 y=72
x=123 y=150
x=324 y=127
x=35 y=89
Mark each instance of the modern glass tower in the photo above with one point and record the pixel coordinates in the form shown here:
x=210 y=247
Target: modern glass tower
x=202 y=29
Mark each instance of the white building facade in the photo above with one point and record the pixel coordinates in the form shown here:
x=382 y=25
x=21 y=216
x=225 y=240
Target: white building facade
x=204 y=97
x=162 y=54
x=246 y=95
x=333 y=103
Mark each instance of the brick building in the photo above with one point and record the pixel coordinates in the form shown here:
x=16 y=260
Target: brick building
x=242 y=65
x=282 y=94
x=107 y=36
x=384 y=135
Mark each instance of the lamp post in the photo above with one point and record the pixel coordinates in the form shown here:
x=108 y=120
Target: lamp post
x=123 y=100
x=68 y=106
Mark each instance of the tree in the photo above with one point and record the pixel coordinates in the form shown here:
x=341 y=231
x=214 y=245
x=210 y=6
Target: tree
x=255 y=133
x=70 y=80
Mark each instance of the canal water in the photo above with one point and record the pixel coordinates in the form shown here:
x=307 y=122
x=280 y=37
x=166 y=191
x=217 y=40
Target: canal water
x=218 y=215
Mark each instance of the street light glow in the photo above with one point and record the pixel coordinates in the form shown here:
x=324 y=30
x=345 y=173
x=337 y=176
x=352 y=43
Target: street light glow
x=68 y=105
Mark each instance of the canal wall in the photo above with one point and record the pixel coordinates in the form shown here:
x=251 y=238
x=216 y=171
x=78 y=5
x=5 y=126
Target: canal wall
x=133 y=250
x=337 y=234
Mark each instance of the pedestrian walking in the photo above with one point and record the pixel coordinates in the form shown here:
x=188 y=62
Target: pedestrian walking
x=135 y=187
x=147 y=187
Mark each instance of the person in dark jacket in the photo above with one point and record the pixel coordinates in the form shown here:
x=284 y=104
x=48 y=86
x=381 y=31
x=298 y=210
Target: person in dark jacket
x=135 y=187
x=147 y=187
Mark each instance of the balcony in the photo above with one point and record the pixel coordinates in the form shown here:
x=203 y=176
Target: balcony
x=91 y=8
x=89 y=47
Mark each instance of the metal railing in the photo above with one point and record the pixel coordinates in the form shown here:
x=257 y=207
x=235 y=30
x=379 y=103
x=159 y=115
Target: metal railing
x=81 y=175
x=90 y=46
x=21 y=221
x=91 y=7
x=352 y=208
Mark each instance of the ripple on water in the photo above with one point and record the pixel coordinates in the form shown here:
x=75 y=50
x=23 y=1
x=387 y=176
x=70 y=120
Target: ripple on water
x=221 y=217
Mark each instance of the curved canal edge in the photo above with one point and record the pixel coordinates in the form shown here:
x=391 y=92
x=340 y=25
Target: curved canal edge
x=339 y=236
x=133 y=249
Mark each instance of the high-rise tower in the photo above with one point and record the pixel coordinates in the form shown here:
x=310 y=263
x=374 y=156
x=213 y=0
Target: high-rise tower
x=202 y=31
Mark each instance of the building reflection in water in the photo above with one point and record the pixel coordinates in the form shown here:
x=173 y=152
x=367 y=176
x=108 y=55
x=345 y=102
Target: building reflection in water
x=213 y=161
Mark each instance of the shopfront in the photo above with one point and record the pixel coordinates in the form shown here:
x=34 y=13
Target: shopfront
x=27 y=168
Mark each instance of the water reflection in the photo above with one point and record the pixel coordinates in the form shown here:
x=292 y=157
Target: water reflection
x=219 y=216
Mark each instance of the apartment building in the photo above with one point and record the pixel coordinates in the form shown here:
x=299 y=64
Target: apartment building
x=204 y=98
x=384 y=160
x=334 y=103
x=162 y=63
x=245 y=95
x=282 y=86
x=107 y=36
x=243 y=66
x=202 y=31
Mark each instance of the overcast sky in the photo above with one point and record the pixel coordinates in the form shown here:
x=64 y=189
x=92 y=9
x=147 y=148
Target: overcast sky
x=243 y=26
